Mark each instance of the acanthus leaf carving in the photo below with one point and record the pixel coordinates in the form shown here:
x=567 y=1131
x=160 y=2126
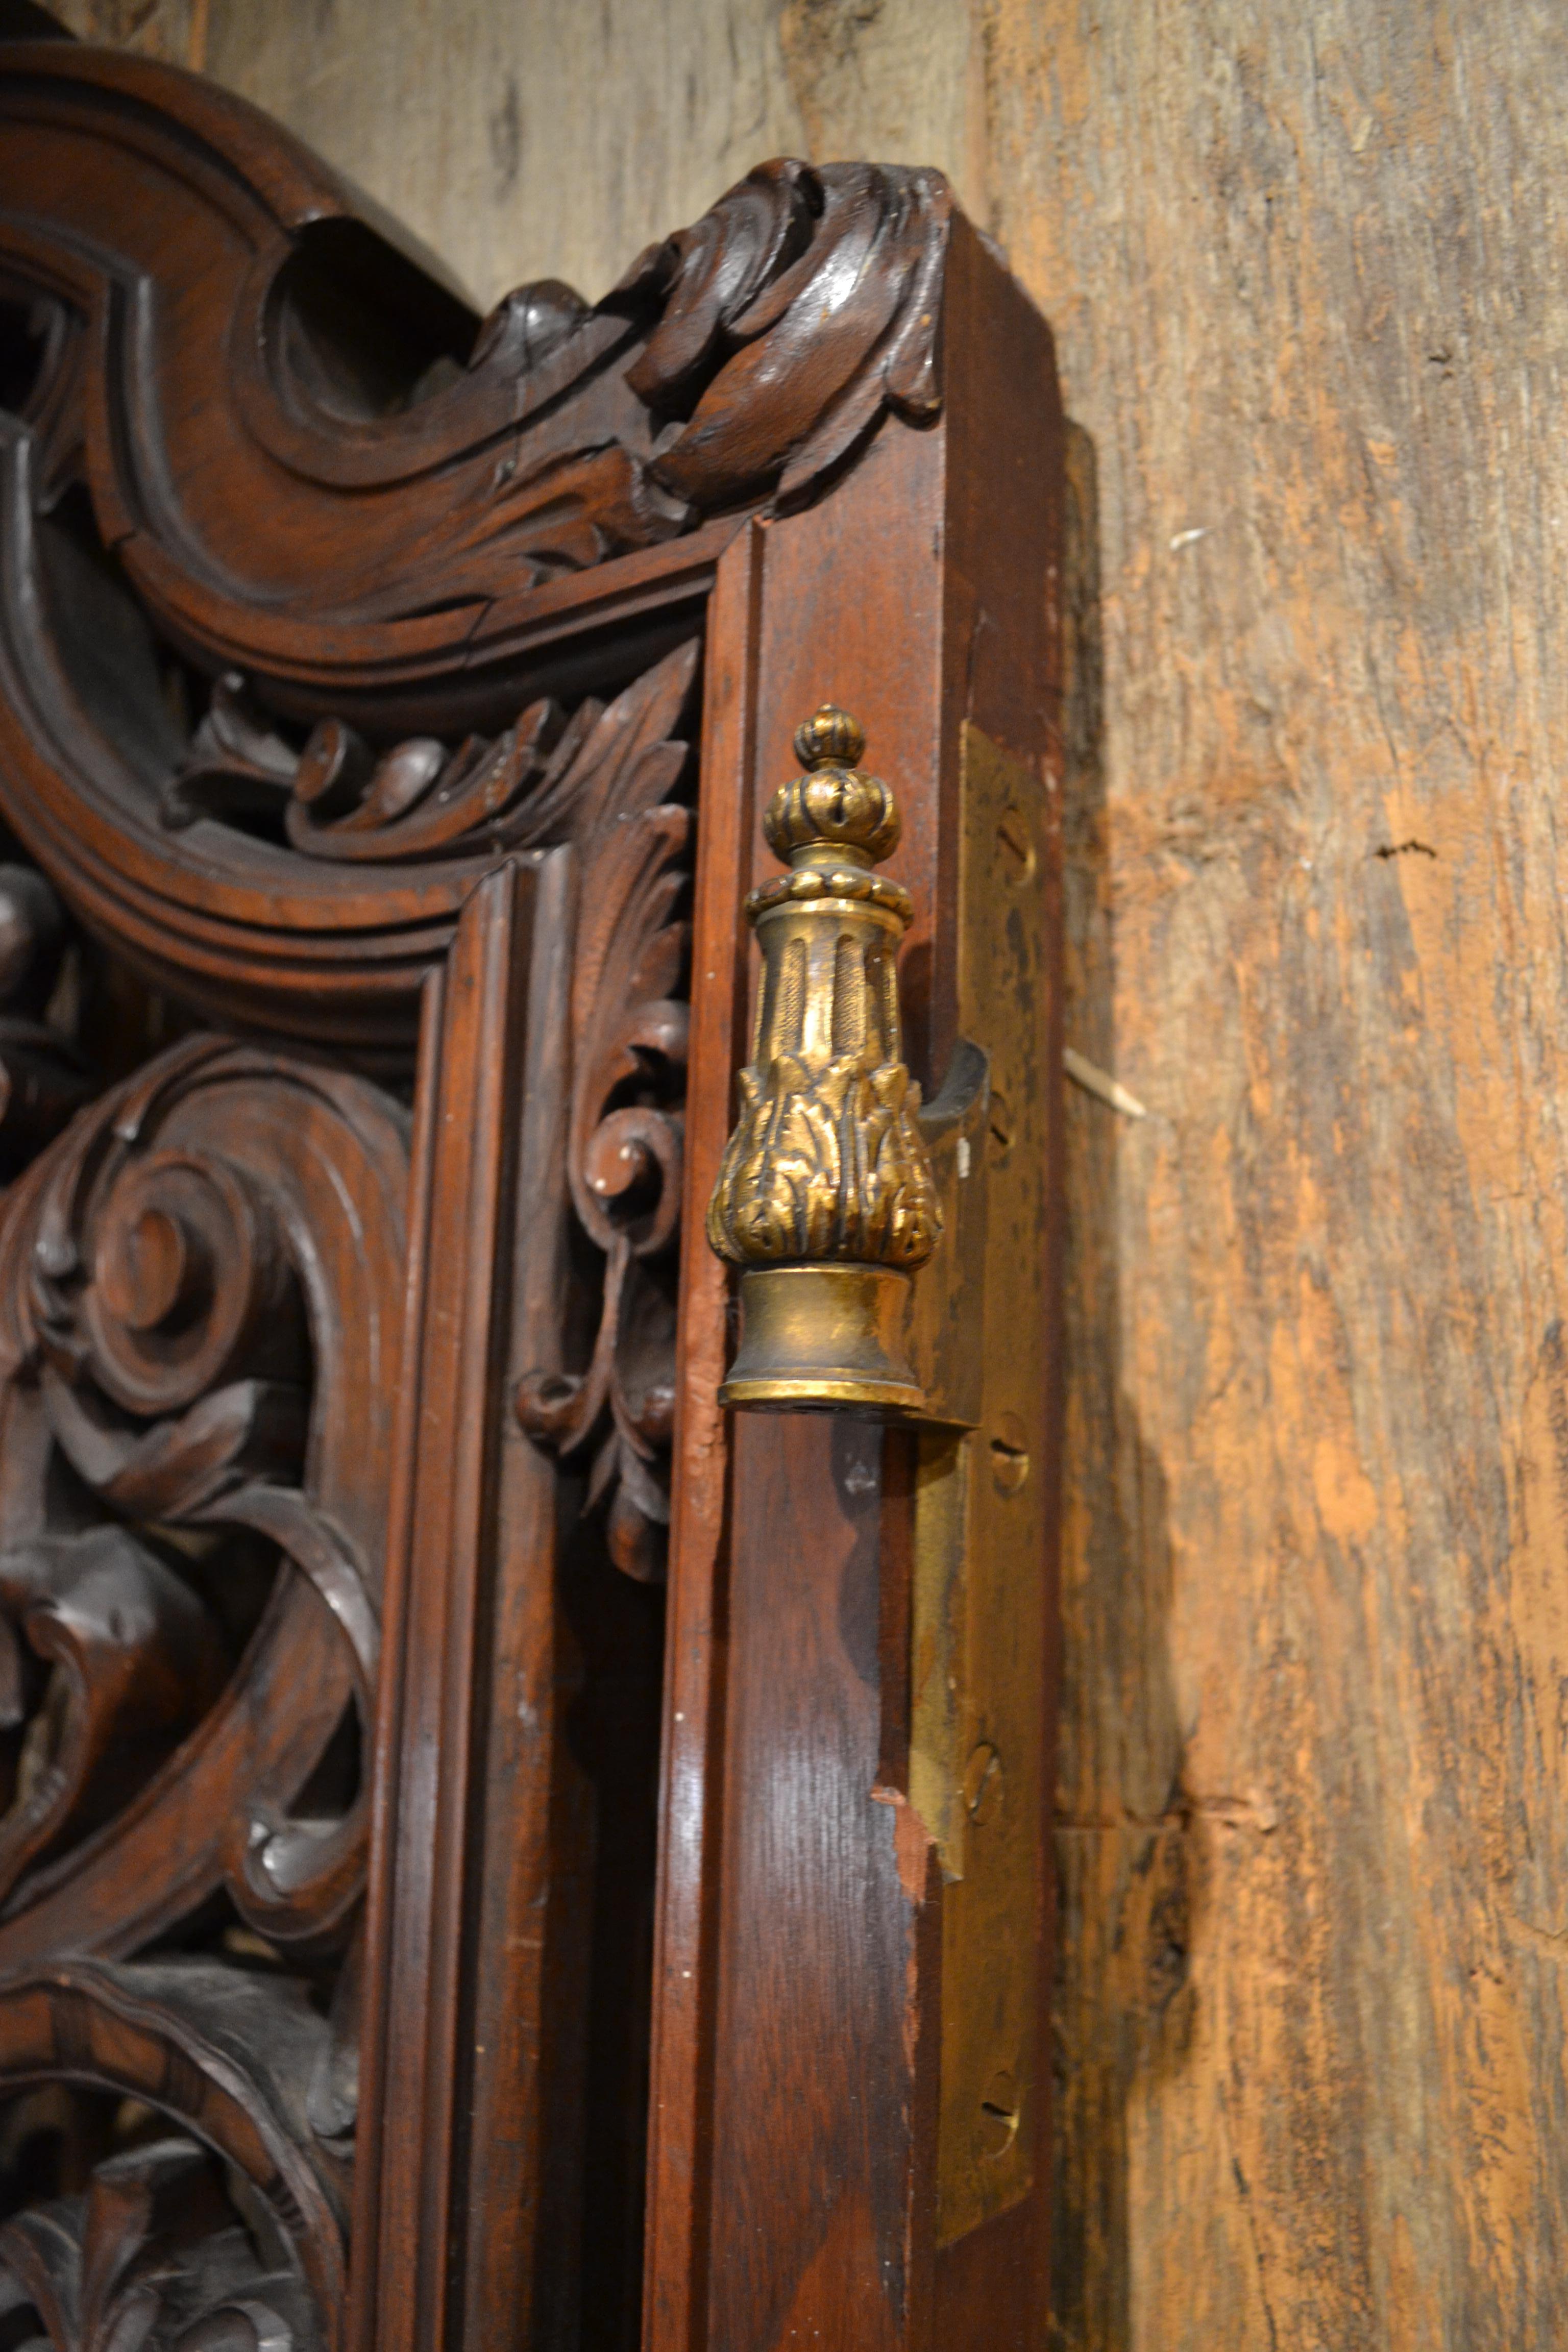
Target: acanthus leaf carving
x=159 y=2251
x=759 y=347
x=741 y=358
x=199 y=1286
x=827 y=1160
x=134 y=1662
x=201 y=1295
x=793 y=313
x=120 y=2268
x=628 y=1042
x=387 y=559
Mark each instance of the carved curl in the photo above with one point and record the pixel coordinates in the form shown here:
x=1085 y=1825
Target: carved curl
x=200 y=1306
x=201 y=465
x=225 y=2060
x=628 y=1043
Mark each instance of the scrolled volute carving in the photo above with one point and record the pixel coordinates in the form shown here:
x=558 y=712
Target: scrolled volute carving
x=220 y=2226
x=628 y=1026
x=792 y=314
x=537 y=784
x=195 y=1284
x=321 y=480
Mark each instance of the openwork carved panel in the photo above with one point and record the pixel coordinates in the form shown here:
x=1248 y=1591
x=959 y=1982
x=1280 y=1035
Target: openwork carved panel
x=201 y=1303
x=404 y=1945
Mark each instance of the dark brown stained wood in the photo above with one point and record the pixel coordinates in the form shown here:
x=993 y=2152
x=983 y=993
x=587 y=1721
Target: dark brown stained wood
x=682 y=2059
x=202 y=1284
x=508 y=1954
x=310 y=466
x=975 y=638
x=820 y=2101
x=411 y=2190
x=524 y=2074
x=812 y=2130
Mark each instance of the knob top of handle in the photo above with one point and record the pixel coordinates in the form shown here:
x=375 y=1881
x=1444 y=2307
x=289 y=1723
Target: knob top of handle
x=832 y=806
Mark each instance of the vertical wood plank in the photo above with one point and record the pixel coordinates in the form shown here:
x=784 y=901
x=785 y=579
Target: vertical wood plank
x=813 y=2091
x=819 y=1927
x=523 y=2061
x=691 y=1790
x=425 y=1747
x=381 y=1889
x=822 y=2204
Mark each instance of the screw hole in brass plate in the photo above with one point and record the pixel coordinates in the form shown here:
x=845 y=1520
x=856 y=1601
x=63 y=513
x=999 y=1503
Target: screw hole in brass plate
x=1009 y=1455
x=998 y=2117
x=983 y=1784
x=1013 y=840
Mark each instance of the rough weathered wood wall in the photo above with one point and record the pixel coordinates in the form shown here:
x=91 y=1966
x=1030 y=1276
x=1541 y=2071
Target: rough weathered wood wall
x=1308 y=273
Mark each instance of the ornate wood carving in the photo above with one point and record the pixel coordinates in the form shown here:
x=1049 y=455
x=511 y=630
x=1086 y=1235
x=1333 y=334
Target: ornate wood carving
x=382 y=690
x=628 y=1040
x=159 y=2247
x=308 y=466
x=201 y=1295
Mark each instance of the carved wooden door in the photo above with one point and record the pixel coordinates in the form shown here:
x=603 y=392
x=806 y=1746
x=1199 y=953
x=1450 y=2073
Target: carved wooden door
x=485 y=1858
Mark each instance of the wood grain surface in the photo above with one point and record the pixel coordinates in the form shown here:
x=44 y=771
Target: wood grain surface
x=1304 y=269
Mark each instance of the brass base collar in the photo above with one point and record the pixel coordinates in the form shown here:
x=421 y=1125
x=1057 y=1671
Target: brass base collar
x=829 y=1335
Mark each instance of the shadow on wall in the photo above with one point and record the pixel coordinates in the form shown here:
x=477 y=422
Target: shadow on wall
x=1129 y=1872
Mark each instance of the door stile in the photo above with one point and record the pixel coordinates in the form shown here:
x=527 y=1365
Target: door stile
x=690 y=1795
x=798 y=2196
x=817 y=1986
x=381 y=1888
x=410 y=2272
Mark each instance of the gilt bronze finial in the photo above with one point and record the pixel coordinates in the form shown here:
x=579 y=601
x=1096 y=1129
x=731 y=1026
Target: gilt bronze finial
x=825 y=1196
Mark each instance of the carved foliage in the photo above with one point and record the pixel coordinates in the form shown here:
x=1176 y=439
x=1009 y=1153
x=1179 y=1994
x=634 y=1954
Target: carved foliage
x=222 y=2234
x=124 y=2264
x=628 y=1043
x=541 y=780
x=744 y=357
x=798 y=310
x=200 y=1306
x=601 y=780
x=242 y=431
x=778 y=329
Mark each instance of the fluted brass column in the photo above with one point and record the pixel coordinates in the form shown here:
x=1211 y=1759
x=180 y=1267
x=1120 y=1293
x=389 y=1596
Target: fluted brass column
x=824 y=1198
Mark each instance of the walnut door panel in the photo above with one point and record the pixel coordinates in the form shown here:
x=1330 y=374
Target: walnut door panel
x=410 y=1930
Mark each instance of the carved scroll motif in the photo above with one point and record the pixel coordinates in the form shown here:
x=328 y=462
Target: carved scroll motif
x=549 y=777
x=155 y=2250
x=629 y=1026
x=743 y=358
x=200 y=1309
x=247 y=439
x=603 y=780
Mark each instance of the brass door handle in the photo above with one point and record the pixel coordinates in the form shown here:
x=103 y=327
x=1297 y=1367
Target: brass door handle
x=826 y=1196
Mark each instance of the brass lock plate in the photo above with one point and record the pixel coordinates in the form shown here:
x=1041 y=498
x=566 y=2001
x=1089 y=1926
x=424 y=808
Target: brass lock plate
x=978 y=1725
